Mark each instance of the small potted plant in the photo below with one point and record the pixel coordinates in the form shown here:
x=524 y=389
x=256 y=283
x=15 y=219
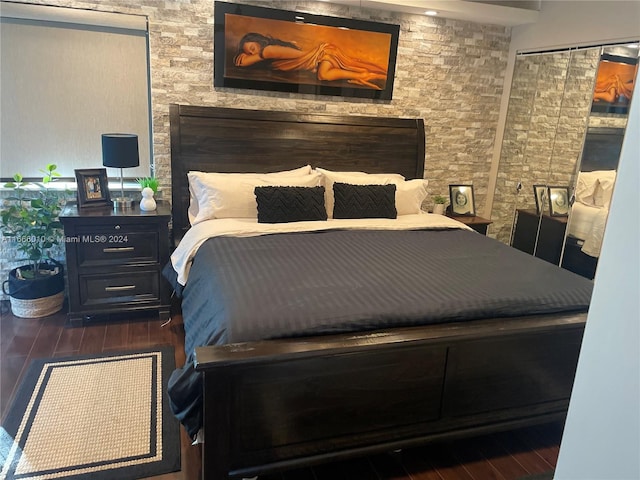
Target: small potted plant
x=151 y=182
x=149 y=186
x=438 y=206
x=30 y=220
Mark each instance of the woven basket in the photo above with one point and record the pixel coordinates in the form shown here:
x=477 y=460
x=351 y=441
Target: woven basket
x=37 y=297
x=38 y=307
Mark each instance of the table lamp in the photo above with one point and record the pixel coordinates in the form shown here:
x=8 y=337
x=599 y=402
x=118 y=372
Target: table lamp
x=120 y=150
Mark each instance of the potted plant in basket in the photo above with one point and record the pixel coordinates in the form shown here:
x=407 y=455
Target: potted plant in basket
x=30 y=219
x=438 y=206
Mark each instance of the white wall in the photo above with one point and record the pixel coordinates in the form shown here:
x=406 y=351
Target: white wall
x=569 y=23
x=602 y=433
x=563 y=24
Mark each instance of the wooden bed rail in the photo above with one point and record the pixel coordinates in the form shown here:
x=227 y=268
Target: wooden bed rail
x=218 y=356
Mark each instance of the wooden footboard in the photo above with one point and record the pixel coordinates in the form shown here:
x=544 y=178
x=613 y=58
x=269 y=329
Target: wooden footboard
x=280 y=404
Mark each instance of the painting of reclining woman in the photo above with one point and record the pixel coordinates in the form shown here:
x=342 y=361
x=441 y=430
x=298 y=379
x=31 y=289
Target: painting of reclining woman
x=614 y=85
x=298 y=54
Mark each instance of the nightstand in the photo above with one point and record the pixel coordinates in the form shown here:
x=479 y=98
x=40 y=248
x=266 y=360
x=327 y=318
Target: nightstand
x=549 y=240
x=479 y=224
x=115 y=259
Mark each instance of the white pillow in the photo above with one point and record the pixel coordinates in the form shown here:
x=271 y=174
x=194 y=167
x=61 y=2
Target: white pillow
x=586 y=187
x=409 y=196
x=195 y=191
x=233 y=197
x=353 y=178
x=595 y=188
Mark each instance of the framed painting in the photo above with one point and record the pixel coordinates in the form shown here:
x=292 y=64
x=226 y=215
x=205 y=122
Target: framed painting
x=614 y=84
x=461 y=200
x=541 y=196
x=268 y=49
x=559 y=201
x=93 y=188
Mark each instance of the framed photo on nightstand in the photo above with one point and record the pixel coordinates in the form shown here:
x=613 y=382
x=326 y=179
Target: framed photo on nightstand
x=461 y=200
x=93 y=188
x=541 y=196
x=559 y=201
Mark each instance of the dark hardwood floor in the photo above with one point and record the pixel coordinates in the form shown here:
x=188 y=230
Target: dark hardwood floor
x=503 y=456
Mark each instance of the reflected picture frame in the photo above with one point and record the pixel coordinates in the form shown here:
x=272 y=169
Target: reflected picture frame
x=615 y=80
x=93 y=188
x=363 y=46
x=559 y=201
x=541 y=195
x=462 y=200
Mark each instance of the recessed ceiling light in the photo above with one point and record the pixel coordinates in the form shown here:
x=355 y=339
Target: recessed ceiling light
x=431 y=13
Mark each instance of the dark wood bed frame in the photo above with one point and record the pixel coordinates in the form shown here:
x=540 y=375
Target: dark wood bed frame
x=280 y=404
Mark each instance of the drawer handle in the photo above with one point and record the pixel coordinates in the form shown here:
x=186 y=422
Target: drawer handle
x=118 y=249
x=119 y=289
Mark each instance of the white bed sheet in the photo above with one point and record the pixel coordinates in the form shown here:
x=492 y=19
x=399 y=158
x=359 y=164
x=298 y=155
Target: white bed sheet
x=582 y=218
x=247 y=227
x=588 y=223
x=593 y=242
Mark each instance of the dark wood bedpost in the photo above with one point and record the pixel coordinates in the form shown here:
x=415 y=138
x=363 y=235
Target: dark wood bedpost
x=217 y=426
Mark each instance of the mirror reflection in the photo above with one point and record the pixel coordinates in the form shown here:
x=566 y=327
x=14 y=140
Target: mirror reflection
x=564 y=129
x=593 y=190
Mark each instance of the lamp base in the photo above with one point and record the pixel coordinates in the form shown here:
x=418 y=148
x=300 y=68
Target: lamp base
x=122 y=203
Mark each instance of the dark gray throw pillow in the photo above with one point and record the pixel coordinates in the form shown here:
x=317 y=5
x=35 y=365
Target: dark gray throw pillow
x=290 y=204
x=364 y=201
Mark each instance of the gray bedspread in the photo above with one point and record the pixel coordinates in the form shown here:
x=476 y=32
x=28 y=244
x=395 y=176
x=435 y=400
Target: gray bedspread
x=244 y=289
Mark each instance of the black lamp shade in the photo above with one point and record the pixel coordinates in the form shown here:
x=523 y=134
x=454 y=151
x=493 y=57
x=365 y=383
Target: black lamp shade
x=120 y=150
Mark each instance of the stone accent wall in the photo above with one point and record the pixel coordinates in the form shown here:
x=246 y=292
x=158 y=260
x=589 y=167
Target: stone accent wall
x=449 y=72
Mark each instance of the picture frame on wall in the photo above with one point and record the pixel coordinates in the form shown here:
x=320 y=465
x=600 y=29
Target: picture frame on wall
x=269 y=49
x=542 y=199
x=559 y=201
x=461 y=200
x=93 y=188
x=615 y=81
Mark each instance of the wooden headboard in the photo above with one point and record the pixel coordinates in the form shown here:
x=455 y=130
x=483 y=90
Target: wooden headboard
x=602 y=147
x=211 y=139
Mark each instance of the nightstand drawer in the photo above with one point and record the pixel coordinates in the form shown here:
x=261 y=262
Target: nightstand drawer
x=101 y=248
x=117 y=288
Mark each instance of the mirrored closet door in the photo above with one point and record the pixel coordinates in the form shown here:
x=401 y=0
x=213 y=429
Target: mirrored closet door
x=565 y=124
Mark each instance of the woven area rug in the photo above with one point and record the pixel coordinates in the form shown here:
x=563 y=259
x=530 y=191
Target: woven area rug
x=92 y=417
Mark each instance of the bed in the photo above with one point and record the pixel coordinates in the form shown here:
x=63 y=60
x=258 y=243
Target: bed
x=280 y=398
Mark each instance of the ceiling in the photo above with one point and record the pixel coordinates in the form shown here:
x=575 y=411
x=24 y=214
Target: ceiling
x=507 y=13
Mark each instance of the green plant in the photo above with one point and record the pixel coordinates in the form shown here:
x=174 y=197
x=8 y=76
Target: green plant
x=151 y=182
x=30 y=218
x=439 y=199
